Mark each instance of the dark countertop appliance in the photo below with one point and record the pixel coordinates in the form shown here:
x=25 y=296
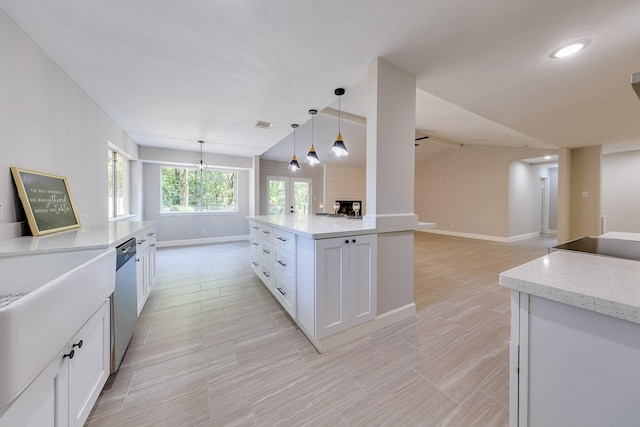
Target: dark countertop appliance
x=617 y=248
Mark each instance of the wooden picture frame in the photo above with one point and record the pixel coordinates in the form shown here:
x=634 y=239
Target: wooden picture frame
x=47 y=201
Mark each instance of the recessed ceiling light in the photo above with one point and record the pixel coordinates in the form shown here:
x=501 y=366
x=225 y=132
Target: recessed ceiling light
x=569 y=49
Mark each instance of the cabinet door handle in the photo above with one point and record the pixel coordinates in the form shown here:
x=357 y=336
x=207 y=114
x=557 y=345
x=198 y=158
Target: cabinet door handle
x=153 y=246
x=281 y=239
x=150 y=234
x=69 y=355
x=266 y=251
x=137 y=259
x=79 y=344
x=255 y=244
x=353 y=241
x=142 y=241
x=254 y=227
x=255 y=263
x=347 y=241
x=281 y=291
x=266 y=274
x=266 y=232
x=281 y=263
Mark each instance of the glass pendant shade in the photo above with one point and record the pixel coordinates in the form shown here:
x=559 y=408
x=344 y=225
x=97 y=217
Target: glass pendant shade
x=339 y=149
x=201 y=165
x=294 y=166
x=312 y=156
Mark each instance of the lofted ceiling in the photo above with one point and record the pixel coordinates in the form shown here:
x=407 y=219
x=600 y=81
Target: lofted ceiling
x=171 y=73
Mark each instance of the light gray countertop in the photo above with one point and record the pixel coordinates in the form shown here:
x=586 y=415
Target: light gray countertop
x=89 y=237
x=321 y=226
x=605 y=285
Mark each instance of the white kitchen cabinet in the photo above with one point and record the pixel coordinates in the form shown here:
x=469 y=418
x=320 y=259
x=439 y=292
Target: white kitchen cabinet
x=64 y=393
x=341 y=291
x=145 y=264
x=571 y=367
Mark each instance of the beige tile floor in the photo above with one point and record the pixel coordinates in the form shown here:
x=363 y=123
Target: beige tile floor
x=214 y=348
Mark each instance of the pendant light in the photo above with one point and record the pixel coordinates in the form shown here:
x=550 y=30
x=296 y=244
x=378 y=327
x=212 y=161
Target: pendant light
x=201 y=165
x=294 y=166
x=312 y=156
x=339 y=149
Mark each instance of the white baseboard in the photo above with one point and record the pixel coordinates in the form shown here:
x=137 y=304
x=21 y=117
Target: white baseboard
x=205 y=241
x=382 y=321
x=467 y=235
x=480 y=236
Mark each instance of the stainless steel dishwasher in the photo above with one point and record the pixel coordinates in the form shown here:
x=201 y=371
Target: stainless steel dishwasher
x=124 y=305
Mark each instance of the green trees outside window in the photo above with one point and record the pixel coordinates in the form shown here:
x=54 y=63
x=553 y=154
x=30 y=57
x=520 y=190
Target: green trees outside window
x=190 y=190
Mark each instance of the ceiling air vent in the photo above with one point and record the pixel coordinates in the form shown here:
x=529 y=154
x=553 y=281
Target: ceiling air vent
x=635 y=83
x=263 y=125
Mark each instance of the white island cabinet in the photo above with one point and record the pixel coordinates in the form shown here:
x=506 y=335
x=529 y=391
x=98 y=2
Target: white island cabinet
x=324 y=277
x=64 y=393
x=575 y=341
x=337 y=283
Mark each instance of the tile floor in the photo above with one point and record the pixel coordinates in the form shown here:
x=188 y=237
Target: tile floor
x=214 y=348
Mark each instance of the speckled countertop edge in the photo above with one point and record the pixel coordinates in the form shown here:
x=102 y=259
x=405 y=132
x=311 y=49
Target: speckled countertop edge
x=605 y=285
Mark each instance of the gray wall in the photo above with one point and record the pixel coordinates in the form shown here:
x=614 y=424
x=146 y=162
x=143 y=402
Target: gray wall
x=178 y=227
x=49 y=124
x=621 y=191
x=524 y=199
x=553 y=198
x=466 y=190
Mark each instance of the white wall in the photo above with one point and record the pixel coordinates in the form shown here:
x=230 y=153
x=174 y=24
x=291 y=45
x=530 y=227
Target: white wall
x=346 y=183
x=49 y=124
x=621 y=191
x=179 y=227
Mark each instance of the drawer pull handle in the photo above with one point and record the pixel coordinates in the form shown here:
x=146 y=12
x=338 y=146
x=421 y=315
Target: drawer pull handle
x=254 y=227
x=255 y=263
x=79 y=344
x=284 y=264
x=281 y=291
x=150 y=234
x=70 y=354
x=266 y=251
x=347 y=241
x=353 y=241
x=282 y=239
x=266 y=232
x=266 y=274
x=255 y=244
x=142 y=241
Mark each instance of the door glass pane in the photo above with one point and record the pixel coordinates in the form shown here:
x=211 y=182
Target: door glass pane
x=301 y=197
x=277 y=197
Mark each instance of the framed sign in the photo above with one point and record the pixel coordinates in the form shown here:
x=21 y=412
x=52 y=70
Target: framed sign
x=46 y=200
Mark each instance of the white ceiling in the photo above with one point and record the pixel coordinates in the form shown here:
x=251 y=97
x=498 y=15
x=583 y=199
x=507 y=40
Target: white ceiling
x=171 y=73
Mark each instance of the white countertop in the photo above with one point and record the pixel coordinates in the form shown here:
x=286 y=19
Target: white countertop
x=605 y=285
x=321 y=226
x=89 y=237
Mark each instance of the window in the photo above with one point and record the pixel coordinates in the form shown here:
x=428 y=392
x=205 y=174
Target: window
x=118 y=171
x=189 y=190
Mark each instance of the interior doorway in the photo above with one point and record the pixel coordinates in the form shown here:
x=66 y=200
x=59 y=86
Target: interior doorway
x=288 y=195
x=544 y=205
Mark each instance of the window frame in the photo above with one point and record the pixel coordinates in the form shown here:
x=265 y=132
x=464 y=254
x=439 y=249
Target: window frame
x=115 y=154
x=163 y=212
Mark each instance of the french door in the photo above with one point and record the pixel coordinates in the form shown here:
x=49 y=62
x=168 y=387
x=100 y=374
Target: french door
x=288 y=194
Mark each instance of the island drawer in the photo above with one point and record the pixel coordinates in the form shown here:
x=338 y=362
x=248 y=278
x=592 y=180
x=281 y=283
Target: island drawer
x=285 y=240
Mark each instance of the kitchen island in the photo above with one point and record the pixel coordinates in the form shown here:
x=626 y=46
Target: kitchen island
x=324 y=271
x=575 y=340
